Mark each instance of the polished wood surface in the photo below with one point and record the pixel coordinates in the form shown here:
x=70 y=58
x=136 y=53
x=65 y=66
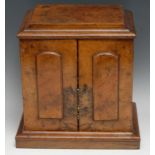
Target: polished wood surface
x=105 y=67
x=77 y=16
x=49 y=74
x=77 y=74
x=49 y=83
x=80 y=140
x=117 y=99
x=77 y=21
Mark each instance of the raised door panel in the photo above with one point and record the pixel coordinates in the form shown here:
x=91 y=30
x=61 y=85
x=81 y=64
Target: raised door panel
x=50 y=84
x=105 y=83
x=105 y=86
x=49 y=73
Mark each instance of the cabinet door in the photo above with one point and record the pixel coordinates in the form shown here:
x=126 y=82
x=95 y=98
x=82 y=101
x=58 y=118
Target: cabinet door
x=105 y=82
x=49 y=73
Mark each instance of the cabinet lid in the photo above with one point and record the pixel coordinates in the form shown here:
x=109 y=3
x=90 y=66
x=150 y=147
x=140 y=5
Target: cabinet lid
x=68 y=20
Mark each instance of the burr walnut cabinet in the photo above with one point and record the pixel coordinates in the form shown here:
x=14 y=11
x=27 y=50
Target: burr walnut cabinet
x=77 y=73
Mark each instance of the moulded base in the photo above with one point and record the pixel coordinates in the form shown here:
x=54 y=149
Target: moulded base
x=79 y=140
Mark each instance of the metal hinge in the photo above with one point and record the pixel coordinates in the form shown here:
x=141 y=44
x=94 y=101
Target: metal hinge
x=78 y=106
x=78 y=112
x=78 y=90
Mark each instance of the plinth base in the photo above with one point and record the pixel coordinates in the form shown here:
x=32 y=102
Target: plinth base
x=79 y=140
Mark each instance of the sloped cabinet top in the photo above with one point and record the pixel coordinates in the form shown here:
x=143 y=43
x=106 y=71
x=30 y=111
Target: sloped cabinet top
x=77 y=21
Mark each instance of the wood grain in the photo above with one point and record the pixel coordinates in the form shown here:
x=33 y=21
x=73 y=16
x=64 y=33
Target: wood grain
x=77 y=22
x=30 y=49
x=75 y=16
x=87 y=49
x=77 y=74
x=49 y=81
x=80 y=140
x=105 y=86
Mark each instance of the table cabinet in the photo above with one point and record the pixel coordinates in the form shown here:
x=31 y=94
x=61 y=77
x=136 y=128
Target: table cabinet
x=77 y=73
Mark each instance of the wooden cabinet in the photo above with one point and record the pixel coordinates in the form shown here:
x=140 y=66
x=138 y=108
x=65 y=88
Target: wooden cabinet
x=77 y=70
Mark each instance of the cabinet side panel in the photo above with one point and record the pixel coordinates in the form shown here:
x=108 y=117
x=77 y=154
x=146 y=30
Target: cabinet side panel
x=105 y=86
x=49 y=82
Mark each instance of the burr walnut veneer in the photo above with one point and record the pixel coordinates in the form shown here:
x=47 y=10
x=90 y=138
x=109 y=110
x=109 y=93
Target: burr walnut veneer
x=77 y=70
